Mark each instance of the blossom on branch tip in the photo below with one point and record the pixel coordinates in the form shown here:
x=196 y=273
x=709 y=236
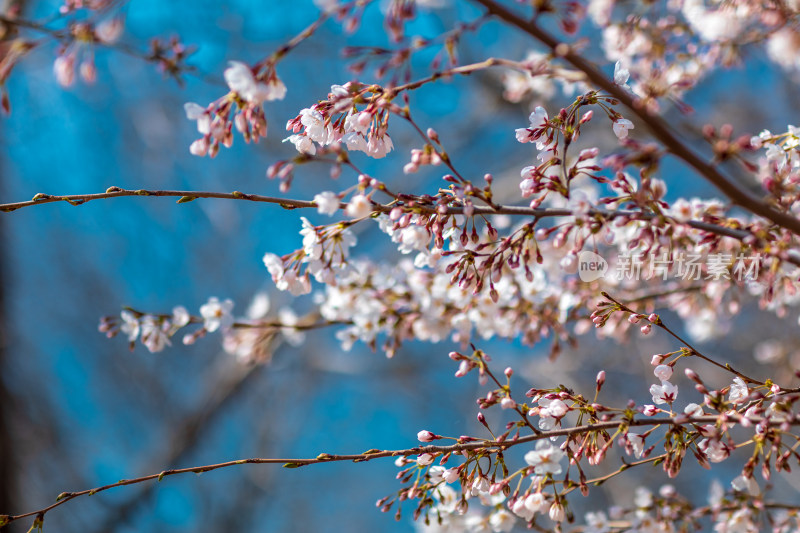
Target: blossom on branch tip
x=64 y=69
x=693 y=409
x=664 y=393
x=327 y=203
x=743 y=483
x=130 y=325
x=621 y=75
x=180 y=317
x=217 y=314
x=109 y=30
x=302 y=143
x=242 y=81
x=424 y=459
x=358 y=207
x=716 y=450
x=426 y=436
x=502 y=521
x=597 y=522
x=637 y=443
x=556 y=512
x=480 y=485
x=738 y=391
x=546 y=458
x=663 y=372
x=154 y=333
x=538 y=127
x=621 y=127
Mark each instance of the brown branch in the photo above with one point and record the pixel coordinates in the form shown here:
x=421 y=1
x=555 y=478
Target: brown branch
x=288 y=203
x=657 y=125
x=369 y=455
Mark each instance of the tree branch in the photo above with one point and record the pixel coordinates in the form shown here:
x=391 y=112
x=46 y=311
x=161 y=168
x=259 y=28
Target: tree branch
x=369 y=455
x=288 y=203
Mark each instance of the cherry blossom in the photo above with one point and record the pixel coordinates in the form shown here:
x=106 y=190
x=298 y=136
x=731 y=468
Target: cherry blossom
x=242 y=81
x=217 y=314
x=130 y=325
x=739 y=391
x=327 y=203
x=664 y=393
x=545 y=458
x=358 y=207
x=621 y=127
x=637 y=443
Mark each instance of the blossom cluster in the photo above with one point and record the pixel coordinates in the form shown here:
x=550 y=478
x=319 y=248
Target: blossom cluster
x=241 y=108
x=456 y=497
x=337 y=120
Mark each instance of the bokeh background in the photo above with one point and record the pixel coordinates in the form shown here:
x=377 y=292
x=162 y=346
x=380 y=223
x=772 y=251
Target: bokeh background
x=80 y=410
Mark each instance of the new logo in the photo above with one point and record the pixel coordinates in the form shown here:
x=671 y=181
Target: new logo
x=591 y=266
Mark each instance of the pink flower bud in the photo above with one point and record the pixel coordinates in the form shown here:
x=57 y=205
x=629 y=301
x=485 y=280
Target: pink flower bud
x=508 y=403
x=426 y=436
x=496 y=488
x=601 y=378
x=657 y=359
x=646 y=329
x=653 y=318
x=508 y=372
x=650 y=410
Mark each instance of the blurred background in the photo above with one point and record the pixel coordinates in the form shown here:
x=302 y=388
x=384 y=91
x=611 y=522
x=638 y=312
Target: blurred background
x=79 y=411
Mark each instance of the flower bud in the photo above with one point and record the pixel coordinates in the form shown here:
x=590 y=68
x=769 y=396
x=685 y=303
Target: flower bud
x=601 y=378
x=556 y=512
x=426 y=436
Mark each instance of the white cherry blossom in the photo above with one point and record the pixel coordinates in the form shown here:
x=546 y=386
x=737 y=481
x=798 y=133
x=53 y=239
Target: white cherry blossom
x=545 y=459
x=217 y=314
